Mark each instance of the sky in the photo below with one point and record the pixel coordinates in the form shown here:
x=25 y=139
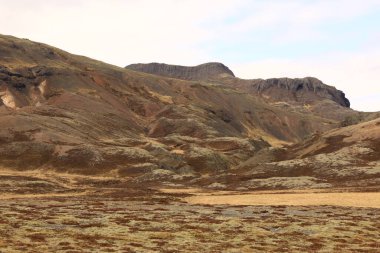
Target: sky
x=337 y=41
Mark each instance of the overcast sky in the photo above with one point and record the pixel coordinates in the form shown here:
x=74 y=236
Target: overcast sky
x=335 y=41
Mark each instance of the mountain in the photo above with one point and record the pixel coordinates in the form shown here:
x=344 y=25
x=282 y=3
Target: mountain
x=305 y=90
x=305 y=95
x=69 y=113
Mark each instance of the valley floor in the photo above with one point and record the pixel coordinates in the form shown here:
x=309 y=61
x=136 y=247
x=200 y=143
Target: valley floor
x=106 y=217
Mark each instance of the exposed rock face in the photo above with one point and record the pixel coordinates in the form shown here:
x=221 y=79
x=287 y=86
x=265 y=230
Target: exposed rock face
x=23 y=87
x=205 y=71
x=306 y=90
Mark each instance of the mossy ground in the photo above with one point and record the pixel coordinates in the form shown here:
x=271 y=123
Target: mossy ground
x=127 y=220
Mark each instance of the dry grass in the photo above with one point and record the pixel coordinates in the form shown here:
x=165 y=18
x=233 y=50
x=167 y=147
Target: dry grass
x=105 y=219
x=353 y=199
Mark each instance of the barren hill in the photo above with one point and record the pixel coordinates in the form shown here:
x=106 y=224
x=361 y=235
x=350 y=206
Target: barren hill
x=304 y=90
x=306 y=95
x=64 y=112
x=343 y=157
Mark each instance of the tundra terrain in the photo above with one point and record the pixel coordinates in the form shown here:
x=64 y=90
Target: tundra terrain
x=165 y=158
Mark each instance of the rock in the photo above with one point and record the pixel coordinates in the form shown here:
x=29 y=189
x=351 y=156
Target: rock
x=90 y=159
x=286 y=183
x=137 y=169
x=303 y=90
x=204 y=159
x=216 y=186
x=24 y=155
x=42 y=71
x=158 y=175
x=165 y=159
x=233 y=143
x=201 y=72
x=186 y=171
x=186 y=127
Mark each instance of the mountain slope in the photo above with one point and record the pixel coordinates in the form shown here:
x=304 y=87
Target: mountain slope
x=305 y=95
x=343 y=157
x=304 y=90
x=64 y=112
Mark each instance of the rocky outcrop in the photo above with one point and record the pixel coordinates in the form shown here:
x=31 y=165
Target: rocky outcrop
x=306 y=90
x=205 y=71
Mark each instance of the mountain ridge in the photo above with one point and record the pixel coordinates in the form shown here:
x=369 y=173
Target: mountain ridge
x=195 y=73
x=219 y=73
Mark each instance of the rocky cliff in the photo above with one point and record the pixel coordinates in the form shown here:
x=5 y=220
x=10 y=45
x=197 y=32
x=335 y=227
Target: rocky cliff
x=204 y=71
x=304 y=90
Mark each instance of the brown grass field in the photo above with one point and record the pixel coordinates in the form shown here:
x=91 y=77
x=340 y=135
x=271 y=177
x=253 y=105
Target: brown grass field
x=90 y=214
x=348 y=199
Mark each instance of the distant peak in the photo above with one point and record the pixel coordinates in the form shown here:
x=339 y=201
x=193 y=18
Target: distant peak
x=205 y=71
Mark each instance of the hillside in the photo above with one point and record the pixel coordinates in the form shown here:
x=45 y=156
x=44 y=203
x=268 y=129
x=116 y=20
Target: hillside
x=304 y=95
x=344 y=157
x=68 y=113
